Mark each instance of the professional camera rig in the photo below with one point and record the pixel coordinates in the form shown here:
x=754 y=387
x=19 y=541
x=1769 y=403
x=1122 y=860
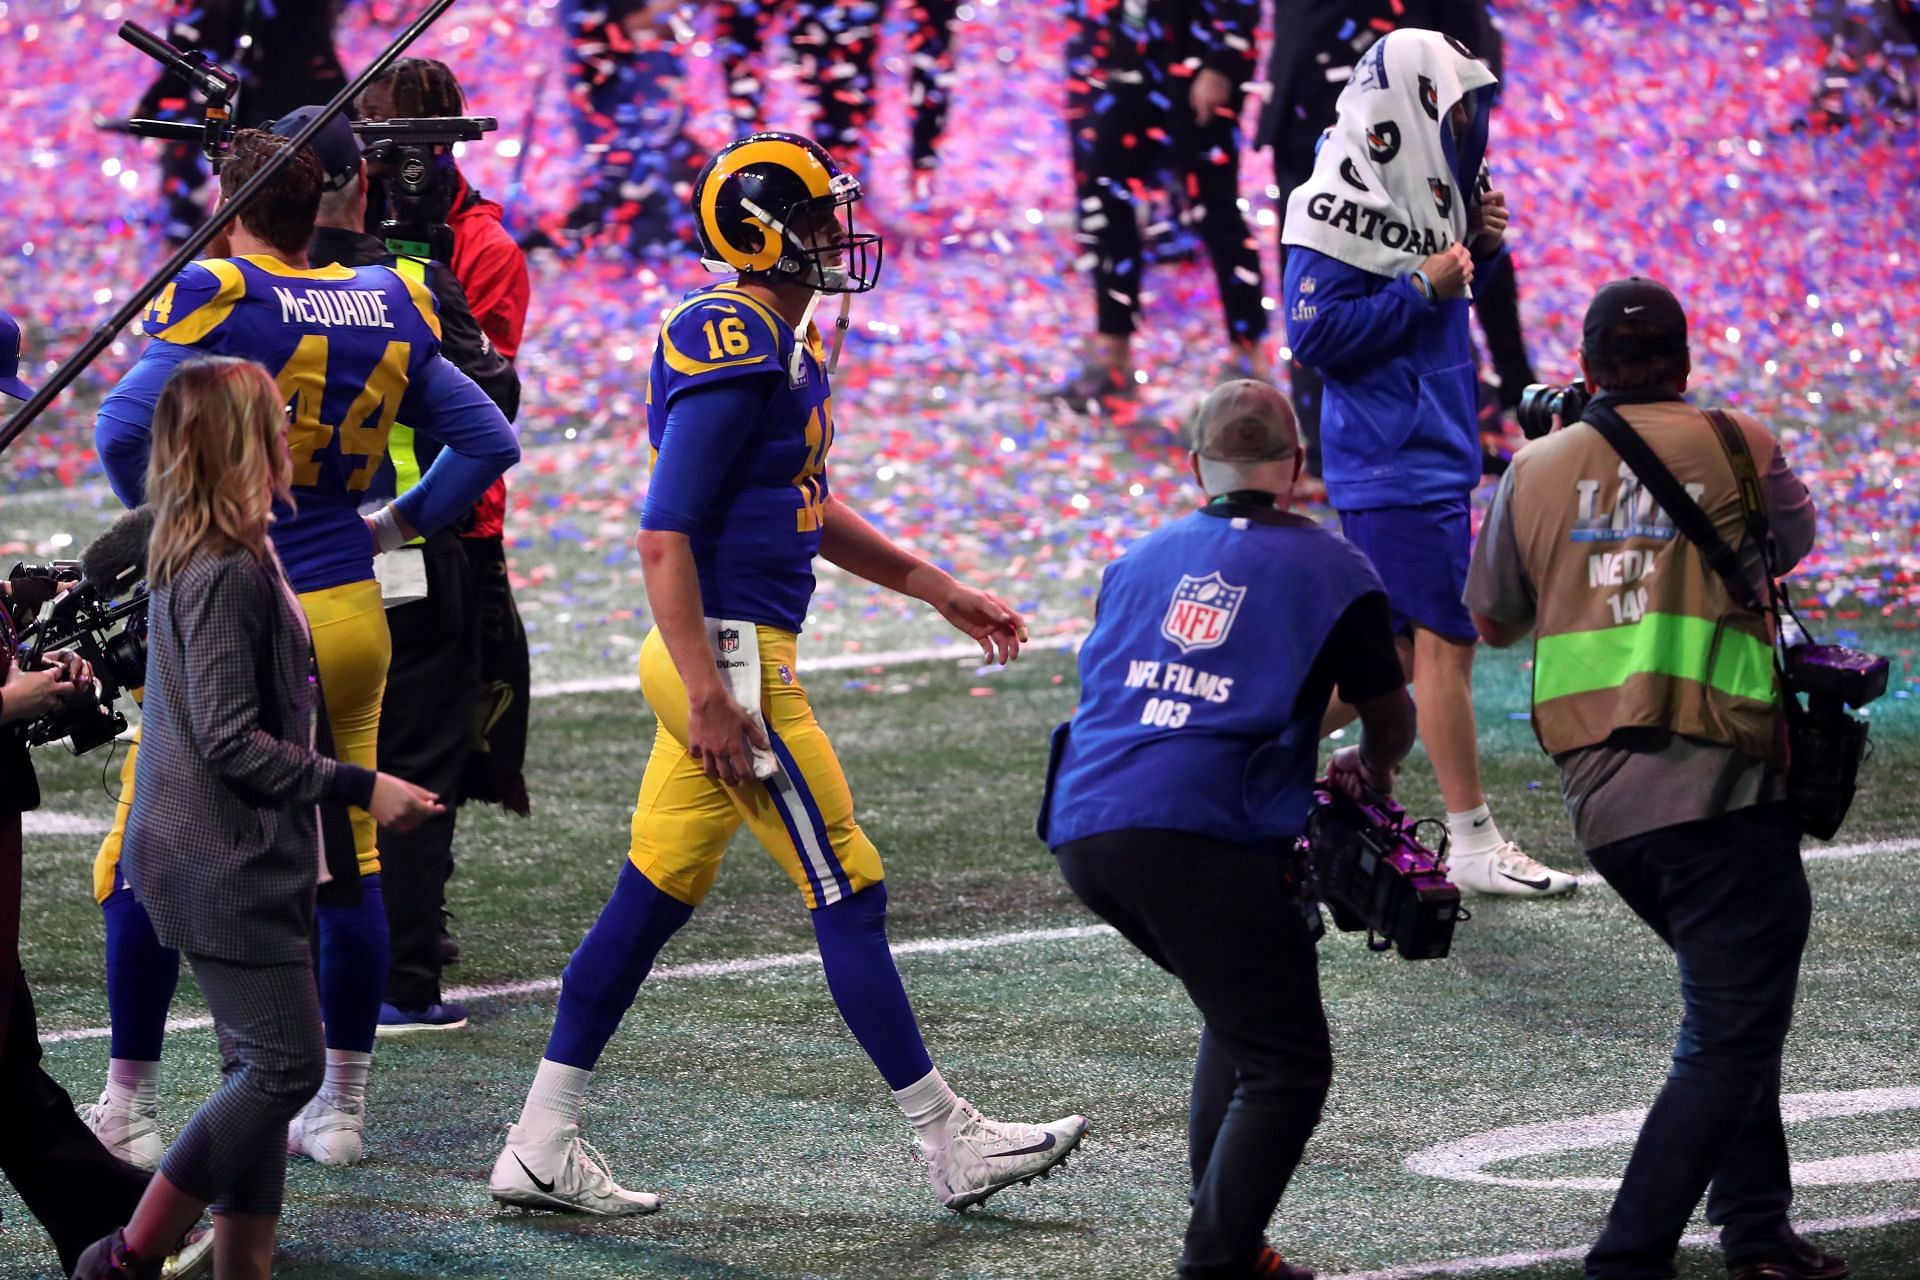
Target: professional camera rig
x=411 y=180
x=54 y=607
x=1367 y=863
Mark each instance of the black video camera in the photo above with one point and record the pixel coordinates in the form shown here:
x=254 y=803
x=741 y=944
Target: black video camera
x=1370 y=868
x=55 y=608
x=1827 y=744
x=412 y=180
x=1540 y=404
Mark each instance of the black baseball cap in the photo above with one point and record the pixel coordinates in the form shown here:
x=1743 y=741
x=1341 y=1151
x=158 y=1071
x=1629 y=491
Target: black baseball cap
x=336 y=146
x=1648 y=306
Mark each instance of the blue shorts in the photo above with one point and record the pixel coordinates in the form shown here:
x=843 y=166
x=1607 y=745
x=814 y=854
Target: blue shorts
x=1421 y=554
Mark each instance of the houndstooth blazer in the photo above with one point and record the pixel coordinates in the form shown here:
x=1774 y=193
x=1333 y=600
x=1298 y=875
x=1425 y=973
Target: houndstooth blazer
x=222 y=845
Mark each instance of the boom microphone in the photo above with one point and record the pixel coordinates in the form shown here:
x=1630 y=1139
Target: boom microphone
x=117 y=558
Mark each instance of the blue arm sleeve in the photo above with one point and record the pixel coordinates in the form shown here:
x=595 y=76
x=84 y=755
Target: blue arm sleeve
x=1339 y=322
x=479 y=445
x=123 y=428
x=706 y=427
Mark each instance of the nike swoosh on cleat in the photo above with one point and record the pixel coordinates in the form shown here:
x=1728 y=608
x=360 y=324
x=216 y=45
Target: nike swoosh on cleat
x=546 y=1188
x=1539 y=885
x=1045 y=1144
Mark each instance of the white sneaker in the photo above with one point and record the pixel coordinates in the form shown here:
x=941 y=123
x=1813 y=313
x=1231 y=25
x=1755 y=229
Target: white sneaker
x=131 y=1133
x=1506 y=870
x=564 y=1173
x=982 y=1156
x=329 y=1132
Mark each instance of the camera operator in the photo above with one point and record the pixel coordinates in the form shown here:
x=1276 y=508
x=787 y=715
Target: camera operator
x=1378 y=271
x=492 y=270
x=1187 y=772
x=1654 y=691
x=71 y=1184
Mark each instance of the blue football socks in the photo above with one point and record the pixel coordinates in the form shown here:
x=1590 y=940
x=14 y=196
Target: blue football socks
x=865 y=984
x=606 y=970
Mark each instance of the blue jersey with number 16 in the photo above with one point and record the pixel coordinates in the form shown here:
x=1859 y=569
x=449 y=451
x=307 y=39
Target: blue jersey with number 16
x=740 y=418
x=354 y=350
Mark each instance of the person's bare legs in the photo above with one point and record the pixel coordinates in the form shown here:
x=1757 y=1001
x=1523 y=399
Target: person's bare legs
x=1443 y=697
x=1479 y=857
x=163 y=1216
x=243 y=1246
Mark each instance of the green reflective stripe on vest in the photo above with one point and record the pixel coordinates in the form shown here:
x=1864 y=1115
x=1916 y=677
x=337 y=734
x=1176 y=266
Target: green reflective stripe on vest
x=406 y=464
x=1667 y=644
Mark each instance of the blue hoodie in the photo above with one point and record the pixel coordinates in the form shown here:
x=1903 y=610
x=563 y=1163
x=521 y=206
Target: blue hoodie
x=1400 y=419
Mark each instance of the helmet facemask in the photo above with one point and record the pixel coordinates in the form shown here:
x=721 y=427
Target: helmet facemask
x=819 y=246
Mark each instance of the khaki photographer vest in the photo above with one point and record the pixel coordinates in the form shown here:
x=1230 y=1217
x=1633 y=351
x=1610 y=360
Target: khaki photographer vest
x=1634 y=629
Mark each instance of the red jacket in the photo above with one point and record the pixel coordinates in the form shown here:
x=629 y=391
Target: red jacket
x=493 y=271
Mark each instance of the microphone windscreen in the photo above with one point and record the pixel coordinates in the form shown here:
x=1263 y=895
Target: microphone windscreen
x=117 y=558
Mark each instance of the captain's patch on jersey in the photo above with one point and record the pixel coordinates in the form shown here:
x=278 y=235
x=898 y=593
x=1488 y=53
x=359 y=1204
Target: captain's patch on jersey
x=1201 y=612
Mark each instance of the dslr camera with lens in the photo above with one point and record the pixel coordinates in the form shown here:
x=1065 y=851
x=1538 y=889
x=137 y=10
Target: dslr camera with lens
x=1541 y=403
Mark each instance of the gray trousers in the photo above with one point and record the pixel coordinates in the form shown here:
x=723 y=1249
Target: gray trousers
x=233 y=1153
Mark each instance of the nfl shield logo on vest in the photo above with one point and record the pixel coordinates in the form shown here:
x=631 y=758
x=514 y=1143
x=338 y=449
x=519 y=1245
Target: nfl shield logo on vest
x=1201 y=612
x=729 y=640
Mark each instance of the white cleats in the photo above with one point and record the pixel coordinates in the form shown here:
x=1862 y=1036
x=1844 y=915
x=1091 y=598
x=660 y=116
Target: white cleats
x=562 y=1172
x=1506 y=870
x=982 y=1156
x=131 y=1133
x=329 y=1132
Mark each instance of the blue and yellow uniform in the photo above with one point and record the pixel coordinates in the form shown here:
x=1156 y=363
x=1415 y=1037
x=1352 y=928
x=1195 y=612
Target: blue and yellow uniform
x=740 y=417
x=354 y=349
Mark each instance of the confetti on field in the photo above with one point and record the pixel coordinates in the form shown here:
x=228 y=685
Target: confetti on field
x=1652 y=138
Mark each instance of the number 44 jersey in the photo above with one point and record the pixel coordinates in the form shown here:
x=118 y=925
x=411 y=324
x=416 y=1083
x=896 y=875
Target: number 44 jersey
x=354 y=350
x=750 y=492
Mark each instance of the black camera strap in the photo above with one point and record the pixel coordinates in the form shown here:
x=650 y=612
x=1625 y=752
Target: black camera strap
x=1673 y=498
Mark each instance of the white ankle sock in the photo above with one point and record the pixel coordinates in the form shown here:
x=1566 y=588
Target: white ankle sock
x=558 y=1096
x=346 y=1078
x=927 y=1103
x=1473 y=832
x=133 y=1085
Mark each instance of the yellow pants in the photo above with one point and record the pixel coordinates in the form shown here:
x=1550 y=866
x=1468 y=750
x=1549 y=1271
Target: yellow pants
x=352 y=648
x=803 y=817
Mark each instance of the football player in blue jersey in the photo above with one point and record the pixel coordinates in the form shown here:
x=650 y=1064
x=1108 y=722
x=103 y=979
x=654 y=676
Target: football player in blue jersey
x=740 y=416
x=355 y=350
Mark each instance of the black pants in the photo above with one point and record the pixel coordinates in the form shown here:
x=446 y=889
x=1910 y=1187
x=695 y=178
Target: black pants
x=426 y=731
x=835 y=41
x=1730 y=896
x=71 y=1184
x=1220 y=918
x=1131 y=136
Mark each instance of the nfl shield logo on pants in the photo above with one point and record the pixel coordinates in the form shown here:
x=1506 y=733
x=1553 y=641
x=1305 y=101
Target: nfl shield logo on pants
x=729 y=640
x=1201 y=612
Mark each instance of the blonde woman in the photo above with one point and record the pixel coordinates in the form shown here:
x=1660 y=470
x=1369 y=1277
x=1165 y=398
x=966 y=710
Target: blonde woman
x=223 y=842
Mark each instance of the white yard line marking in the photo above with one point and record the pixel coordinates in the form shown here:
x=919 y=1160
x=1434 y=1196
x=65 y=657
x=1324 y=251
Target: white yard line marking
x=703 y=969
x=961 y=652
x=1823 y=853
x=1534 y=1258
x=924 y=946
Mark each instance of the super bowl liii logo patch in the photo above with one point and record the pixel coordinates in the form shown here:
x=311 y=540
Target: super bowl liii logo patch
x=1201 y=612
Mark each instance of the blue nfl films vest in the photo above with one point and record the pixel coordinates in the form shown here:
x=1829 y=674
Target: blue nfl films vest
x=1206 y=631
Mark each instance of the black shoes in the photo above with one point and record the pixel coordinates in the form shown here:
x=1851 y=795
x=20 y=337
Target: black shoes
x=110 y=1259
x=1803 y=1261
